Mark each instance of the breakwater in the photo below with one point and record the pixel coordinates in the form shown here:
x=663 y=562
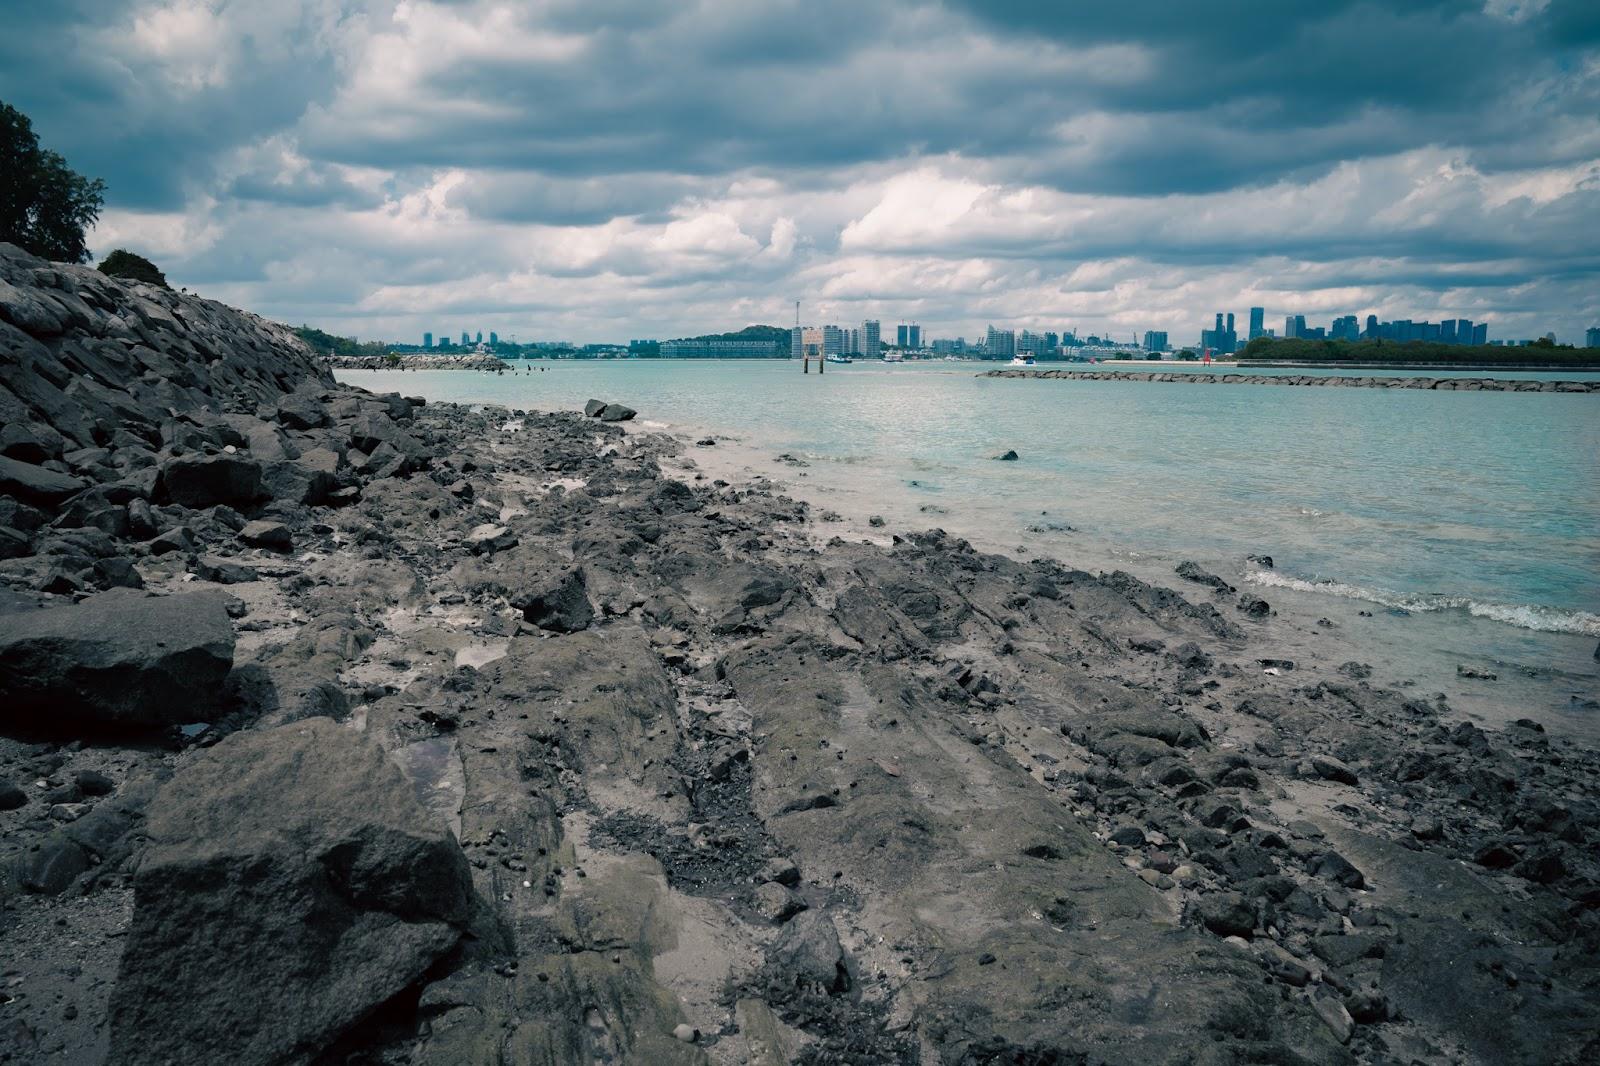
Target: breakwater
x=475 y=361
x=1186 y=377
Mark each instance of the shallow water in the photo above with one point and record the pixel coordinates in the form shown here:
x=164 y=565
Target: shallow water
x=1477 y=514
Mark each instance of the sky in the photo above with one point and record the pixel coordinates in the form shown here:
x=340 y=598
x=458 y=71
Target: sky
x=599 y=170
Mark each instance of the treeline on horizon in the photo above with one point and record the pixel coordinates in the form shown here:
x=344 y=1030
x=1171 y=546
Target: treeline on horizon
x=1300 y=349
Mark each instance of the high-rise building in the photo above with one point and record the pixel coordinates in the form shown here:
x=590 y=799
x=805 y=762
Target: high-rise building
x=1155 y=340
x=494 y=338
x=1220 y=340
x=1480 y=333
x=1294 y=325
x=871 y=337
x=1000 y=343
x=1258 y=322
x=427 y=340
x=1591 y=337
x=466 y=338
x=797 y=342
x=909 y=335
x=1052 y=341
x=1372 y=327
x=1346 y=328
x=480 y=338
x=833 y=340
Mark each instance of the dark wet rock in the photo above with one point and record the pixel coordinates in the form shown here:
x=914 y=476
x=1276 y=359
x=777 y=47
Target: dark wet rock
x=11 y=797
x=292 y=884
x=176 y=539
x=1225 y=913
x=264 y=534
x=1338 y=869
x=556 y=601
x=1263 y=561
x=204 y=480
x=616 y=412
x=593 y=408
x=1192 y=571
x=36 y=484
x=1254 y=606
x=808 y=956
x=223 y=571
x=1356 y=671
x=95 y=783
x=116 y=658
x=1008 y=456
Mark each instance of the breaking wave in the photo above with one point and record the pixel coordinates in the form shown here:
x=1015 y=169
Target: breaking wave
x=1524 y=616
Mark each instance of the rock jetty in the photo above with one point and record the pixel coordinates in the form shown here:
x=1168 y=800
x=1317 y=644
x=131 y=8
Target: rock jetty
x=409 y=361
x=1441 y=384
x=341 y=727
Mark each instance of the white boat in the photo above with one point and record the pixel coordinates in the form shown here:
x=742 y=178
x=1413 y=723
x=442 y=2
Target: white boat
x=893 y=357
x=1022 y=360
x=840 y=359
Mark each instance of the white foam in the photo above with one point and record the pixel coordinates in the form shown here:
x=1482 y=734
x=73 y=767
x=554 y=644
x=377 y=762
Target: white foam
x=1524 y=616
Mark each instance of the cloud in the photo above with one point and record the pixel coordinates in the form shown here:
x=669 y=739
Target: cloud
x=611 y=168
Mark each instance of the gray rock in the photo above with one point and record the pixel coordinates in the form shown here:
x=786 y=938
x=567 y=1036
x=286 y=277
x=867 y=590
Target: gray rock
x=1226 y=914
x=808 y=955
x=1330 y=769
x=36 y=484
x=11 y=797
x=223 y=571
x=775 y=903
x=558 y=602
x=204 y=480
x=1192 y=571
x=616 y=412
x=272 y=535
x=52 y=869
x=1254 y=606
x=1334 y=1016
x=1007 y=456
x=118 y=657
x=489 y=538
x=593 y=408
x=292 y=884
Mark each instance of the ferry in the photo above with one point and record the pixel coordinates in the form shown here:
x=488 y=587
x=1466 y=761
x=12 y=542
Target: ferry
x=894 y=357
x=1022 y=360
x=837 y=358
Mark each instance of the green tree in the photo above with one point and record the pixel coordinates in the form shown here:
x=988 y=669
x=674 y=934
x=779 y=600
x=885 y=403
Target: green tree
x=44 y=205
x=122 y=263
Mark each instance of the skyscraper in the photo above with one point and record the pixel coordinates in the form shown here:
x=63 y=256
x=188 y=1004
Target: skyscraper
x=1258 y=322
x=1591 y=337
x=1000 y=343
x=427 y=340
x=466 y=338
x=871 y=338
x=1155 y=340
x=494 y=338
x=833 y=340
x=909 y=335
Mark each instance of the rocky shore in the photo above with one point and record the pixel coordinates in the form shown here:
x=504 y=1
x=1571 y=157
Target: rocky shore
x=345 y=728
x=1443 y=384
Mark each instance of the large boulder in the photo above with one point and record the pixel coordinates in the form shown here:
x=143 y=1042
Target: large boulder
x=206 y=480
x=292 y=884
x=558 y=601
x=118 y=658
x=36 y=484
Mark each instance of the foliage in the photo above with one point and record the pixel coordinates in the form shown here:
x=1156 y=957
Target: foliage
x=328 y=344
x=769 y=334
x=1188 y=355
x=122 y=263
x=1299 y=349
x=44 y=205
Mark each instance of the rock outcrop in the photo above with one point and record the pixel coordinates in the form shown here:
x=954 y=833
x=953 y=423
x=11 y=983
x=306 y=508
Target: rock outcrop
x=118 y=658
x=291 y=885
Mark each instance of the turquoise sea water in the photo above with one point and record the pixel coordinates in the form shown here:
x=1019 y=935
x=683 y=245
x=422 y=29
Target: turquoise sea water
x=1480 y=510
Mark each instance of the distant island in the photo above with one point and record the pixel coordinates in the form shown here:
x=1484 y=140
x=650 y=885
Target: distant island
x=1541 y=353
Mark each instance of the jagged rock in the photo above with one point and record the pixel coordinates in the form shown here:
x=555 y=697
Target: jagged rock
x=116 y=658
x=593 y=408
x=616 y=412
x=557 y=602
x=203 y=480
x=1330 y=769
x=11 y=797
x=808 y=956
x=1007 y=456
x=1226 y=914
x=1192 y=571
x=291 y=885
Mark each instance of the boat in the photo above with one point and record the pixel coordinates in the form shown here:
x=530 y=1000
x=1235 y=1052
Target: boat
x=894 y=357
x=1022 y=360
x=840 y=359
